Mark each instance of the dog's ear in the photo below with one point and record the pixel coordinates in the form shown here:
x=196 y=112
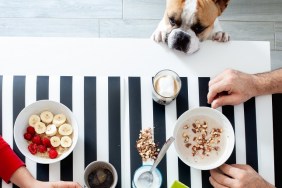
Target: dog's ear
x=221 y=4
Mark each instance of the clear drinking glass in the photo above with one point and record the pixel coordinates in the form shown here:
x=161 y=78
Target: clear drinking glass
x=166 y=86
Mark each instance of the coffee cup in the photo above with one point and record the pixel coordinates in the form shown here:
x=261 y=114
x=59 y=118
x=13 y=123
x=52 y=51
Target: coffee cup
x=100 y=174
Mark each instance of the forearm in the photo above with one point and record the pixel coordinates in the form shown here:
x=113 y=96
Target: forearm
x=23 y=178
x=268 y=83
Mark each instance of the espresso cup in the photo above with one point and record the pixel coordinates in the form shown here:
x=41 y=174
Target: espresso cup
x=166 y=86
x=100 y=173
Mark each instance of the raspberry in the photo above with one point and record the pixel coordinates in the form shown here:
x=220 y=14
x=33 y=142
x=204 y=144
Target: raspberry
x=36 y=139
x=46 y=142
x=41 y=148
x=27 y=136
x=32 y=148
x=30 y=130
x=53 y=153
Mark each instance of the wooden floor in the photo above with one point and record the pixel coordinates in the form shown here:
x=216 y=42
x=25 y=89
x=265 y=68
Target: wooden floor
x=257 y=20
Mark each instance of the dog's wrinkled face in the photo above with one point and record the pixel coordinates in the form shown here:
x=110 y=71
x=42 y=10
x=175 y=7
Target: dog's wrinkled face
x=186 y=22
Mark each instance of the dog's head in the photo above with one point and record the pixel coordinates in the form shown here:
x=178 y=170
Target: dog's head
x=186 y=22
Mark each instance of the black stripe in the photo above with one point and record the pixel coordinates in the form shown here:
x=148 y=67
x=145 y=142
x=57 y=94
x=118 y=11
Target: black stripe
x=42 y=92
x=66 y=99
x=135 y=121
x=203 y=91
x=18 y=105
x=115 y=125
x=160 y=136
x=277 y=132
x=251 y=133
x=228 y=111
x=90 y=120
x=182 y=105
x=1 y=124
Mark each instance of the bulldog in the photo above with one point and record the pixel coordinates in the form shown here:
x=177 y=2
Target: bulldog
x=188 y=22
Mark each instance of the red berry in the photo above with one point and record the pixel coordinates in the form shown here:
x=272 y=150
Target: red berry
x=46 y=142
x=32 y=148
x=53 y=153
x=41 y=148
x=30 y=130
x=27 y=136
x=36 y=139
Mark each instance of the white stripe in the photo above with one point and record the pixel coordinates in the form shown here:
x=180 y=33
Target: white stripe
x=147 y=106
x=193 y=95
x=30 y=97
x=125 y=141
x=7 y=114
x=147 y=102
x=78 y=111
x=102 y=119
x=54 y=94
x=240 y=134
x=265 y=137
x=171 y=155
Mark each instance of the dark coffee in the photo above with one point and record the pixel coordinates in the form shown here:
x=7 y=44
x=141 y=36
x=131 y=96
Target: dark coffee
x=100 y=178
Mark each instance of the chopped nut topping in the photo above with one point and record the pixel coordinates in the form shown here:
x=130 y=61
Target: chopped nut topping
x=204 y=141
x=145 y=145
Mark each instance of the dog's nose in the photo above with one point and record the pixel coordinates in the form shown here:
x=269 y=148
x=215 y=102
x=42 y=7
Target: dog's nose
x=182 y=41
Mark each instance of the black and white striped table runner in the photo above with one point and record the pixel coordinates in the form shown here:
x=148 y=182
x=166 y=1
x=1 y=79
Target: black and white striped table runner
x=112 y=110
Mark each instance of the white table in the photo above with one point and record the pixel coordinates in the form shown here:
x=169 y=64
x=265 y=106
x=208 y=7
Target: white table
x=65 y=69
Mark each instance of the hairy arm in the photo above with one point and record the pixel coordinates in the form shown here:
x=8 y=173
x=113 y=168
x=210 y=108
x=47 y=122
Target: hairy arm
x=268 y=82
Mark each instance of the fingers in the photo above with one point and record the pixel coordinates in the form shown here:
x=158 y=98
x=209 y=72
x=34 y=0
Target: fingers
x=231 y=171
x=221 y=178
x=244 y=167
x=218 y=90
x=224 y=100
x=217 y=78
x=66 y=184
x=215 y=184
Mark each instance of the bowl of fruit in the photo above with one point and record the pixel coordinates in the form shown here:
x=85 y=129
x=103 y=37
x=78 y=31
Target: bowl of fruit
x=46 y=131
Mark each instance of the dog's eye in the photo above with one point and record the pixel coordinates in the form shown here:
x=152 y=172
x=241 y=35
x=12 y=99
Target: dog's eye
x=198 y=28
x=172 y=21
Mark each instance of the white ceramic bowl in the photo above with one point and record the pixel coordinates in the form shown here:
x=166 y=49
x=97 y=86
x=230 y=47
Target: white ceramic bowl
x=21 y=124
x=213 y=117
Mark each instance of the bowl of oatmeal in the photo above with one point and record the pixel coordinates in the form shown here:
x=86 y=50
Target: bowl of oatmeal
x=204 y=138
x=46 y=131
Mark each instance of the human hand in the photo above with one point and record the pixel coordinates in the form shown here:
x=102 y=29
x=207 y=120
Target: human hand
x=237 y=176
x=231 y=87
x=59 y=184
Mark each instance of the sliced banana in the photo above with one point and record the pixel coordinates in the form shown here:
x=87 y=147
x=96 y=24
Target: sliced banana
x=55 y=141
x=33 y=119
x=65 y=129
x=51 y=130
x=46 y=117
x=59 y=119
x=66 y=141
x=40 y=127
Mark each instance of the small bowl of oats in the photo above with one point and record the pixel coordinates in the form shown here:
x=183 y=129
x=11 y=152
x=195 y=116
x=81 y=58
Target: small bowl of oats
x=204 y=138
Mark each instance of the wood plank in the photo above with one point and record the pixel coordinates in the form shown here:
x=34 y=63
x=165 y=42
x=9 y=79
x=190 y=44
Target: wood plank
x=35 y=27
x=61 y=9
x=253 y=10
x=127 y=28
x=146 y=9
x=252 y=31
x=276 y=59
x=278 y=35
